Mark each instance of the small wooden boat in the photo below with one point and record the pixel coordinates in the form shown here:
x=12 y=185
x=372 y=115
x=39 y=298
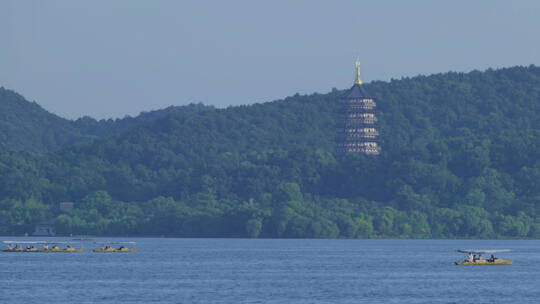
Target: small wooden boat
x=116 y=250
x=487 y=263
x=13 y=249
x=104 y=247
x=474 y=258
x=19 y=246
x=58 y=249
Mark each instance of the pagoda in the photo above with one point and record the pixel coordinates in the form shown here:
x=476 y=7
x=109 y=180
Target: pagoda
x=357 y=126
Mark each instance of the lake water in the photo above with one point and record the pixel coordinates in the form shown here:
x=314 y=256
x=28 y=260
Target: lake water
x=273 y=271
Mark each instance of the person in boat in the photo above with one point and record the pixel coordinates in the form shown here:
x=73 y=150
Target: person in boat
x=480 y=257
x=10 y=247
x=46 y=246
x=491 y=259
x=121 y=247
x=474 y=258
x=67 y=246
x=470 y=258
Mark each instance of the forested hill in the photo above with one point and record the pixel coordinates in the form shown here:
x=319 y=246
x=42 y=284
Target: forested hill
x=26 y=126
x=461 y=158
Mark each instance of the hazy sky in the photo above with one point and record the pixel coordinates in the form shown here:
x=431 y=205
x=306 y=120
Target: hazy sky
x=114 y=58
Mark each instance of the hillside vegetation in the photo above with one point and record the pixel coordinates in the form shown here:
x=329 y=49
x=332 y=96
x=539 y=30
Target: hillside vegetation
x=26 y=126
x=461 y=158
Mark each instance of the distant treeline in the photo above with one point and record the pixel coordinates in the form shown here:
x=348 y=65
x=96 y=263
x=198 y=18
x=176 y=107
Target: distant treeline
x=461 y=158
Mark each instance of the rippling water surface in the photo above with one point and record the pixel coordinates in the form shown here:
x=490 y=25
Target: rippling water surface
x=273 y=271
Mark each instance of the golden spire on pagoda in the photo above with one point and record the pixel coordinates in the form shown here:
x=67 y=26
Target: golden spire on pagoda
x=358 y=80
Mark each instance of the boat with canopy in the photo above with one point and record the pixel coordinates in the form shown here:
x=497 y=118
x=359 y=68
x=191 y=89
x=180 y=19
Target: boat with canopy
x=40 y=246
x=108 y=247
x=474 y=257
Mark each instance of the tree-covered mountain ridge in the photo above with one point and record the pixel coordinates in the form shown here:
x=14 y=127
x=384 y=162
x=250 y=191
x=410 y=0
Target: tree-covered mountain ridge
x=460 y=158
x=26 y=126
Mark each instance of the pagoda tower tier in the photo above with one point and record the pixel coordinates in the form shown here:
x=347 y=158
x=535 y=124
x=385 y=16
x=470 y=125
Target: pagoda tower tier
x=357 y=130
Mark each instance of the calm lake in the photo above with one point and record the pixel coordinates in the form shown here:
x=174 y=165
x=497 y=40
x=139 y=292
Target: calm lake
x=272 y=271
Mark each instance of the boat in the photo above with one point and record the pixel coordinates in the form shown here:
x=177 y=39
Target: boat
x=58 y=249
x=15 y=248
x=474 y=257
x=105 y=247
x=29 y=246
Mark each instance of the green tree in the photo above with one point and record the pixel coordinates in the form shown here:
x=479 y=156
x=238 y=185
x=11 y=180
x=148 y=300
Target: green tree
x=254 y=227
